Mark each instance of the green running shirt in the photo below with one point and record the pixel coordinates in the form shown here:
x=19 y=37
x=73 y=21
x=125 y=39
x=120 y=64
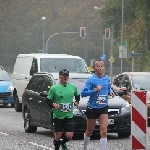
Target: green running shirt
x=64 y=96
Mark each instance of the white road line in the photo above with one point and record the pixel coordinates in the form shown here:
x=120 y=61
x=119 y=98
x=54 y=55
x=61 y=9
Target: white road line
x=42 y=146
x=4 y=133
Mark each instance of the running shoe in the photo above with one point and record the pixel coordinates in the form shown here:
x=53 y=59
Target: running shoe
x=64 y=147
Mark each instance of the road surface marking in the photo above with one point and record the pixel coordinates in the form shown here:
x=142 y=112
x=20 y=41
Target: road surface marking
x=4 y=133
x=42 y=146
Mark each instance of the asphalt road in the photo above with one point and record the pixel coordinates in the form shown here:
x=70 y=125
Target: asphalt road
x=13 y=137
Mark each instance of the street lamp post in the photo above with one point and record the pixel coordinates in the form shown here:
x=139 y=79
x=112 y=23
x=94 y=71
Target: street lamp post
x=85 y=40
x=97 y=8
x=103 y=44
x=122 y=31
x=54 y=35
x=43 y=18
x=111 y=56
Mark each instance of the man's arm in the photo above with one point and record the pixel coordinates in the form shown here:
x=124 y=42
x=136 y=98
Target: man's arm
x=77 y=95
x=50 y=102
x=127 y=98
x=110 y=91
x=77 y=98
x=87 y=91
x=122 y=92
x=49 y=98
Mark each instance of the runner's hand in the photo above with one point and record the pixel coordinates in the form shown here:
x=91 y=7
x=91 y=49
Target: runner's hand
x=56 y=106
x=98 y=88
x=76 y=104
x=112 y=94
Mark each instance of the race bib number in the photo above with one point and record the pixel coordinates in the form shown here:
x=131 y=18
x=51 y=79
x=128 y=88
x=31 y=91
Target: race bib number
x=65 y=107
x=101 y=99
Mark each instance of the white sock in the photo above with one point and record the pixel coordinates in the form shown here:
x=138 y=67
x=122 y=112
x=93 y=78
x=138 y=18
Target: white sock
x=103 y=143
x=86 y=141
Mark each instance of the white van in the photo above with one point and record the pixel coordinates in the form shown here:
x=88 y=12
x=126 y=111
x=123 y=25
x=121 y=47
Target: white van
x=28 y=64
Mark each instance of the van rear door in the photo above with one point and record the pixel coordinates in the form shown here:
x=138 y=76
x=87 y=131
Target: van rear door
x=21 y=74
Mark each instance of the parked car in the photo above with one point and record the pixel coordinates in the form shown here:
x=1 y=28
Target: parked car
x=135 y=81
x=5 y=88
x=36 y=112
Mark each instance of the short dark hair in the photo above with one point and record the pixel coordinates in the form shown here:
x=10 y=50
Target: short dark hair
x=64 y=72
x=95 y=61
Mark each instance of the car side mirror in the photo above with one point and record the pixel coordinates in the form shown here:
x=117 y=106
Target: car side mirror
x=44 y=94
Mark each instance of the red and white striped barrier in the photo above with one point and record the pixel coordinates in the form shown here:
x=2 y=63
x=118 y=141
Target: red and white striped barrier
x=139 y=120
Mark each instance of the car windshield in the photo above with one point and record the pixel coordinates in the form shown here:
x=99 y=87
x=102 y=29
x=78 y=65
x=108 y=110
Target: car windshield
x=143 y=82
x=78 y=82
x=4 y=76
x=56 y=64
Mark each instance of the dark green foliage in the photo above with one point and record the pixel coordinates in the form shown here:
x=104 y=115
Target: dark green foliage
x=21 y=28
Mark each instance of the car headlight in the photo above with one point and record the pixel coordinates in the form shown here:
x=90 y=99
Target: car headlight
x=148 y=100
x=126 y=108
x=76 y=111
x=10 y=88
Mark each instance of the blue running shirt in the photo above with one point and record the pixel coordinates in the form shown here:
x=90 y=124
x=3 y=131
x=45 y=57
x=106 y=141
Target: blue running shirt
x=97 y=99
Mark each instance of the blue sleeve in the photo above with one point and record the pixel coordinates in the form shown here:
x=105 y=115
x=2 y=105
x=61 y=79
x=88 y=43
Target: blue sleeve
x=86 y=91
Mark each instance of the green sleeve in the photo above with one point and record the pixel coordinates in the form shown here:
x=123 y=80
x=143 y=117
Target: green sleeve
x=51 y=93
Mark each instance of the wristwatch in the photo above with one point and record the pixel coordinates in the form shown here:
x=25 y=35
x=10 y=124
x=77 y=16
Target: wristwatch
x=53 y=104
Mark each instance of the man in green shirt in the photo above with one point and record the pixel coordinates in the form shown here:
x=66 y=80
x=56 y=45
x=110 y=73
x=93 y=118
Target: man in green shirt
x=60 y=97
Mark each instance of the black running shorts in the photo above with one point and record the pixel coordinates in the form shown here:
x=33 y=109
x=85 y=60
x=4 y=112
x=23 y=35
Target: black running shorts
x=94 y=113
x=65 y=125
